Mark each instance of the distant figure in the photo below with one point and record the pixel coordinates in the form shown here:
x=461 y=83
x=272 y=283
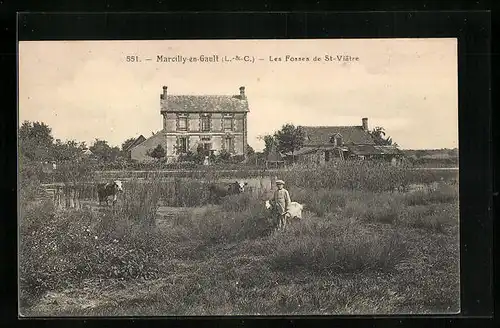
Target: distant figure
x=54 y=166
x=205 y=161
x=281 y=202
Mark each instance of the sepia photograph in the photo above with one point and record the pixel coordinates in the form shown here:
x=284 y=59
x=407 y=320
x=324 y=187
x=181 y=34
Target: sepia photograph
x=238 y=177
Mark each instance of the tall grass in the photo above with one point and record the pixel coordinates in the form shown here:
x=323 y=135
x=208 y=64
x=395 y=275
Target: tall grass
x=352 y=224
x=347 y=248
x=329 y=183
x=61 y=248
x=360 y=175
x=375 y=176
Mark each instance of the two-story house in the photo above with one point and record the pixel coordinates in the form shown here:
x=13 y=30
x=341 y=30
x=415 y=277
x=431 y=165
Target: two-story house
x=216 y=122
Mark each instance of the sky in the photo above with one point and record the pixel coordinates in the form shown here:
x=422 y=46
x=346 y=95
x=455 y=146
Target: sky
x=87 y=89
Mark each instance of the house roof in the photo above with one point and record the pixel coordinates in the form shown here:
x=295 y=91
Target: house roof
x=204 y=103
x=140 y=139
x=321 y=135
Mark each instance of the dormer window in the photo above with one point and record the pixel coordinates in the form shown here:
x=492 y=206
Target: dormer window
x=337 y=140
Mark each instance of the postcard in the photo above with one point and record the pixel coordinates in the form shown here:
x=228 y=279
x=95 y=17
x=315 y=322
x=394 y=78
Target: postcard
x=238 y=177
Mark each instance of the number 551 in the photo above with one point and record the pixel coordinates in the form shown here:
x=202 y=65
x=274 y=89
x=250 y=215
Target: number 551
x=132 y=58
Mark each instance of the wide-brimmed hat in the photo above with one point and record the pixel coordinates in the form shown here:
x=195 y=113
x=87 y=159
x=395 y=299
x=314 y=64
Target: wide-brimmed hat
x=280 y=182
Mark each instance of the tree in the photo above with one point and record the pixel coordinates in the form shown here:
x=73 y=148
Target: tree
x=103 y=151
x=127 y=143
x=35 y=141
x=378 y=134
x=158 y=152
x=290 y=138
x=269 y=142
x=36 y=130
x=250 y=150
x=70 y=150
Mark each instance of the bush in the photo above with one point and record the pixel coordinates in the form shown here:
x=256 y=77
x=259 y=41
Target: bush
x=335 y=247
x=383 y=208
x=141 y=201
x=69 y=249
x=322 y=201
x=59 y=249
x=349 y=175
x=434 y=218
x=362 y=175
x=240 y=218
x=443 y=194
x=74 y=171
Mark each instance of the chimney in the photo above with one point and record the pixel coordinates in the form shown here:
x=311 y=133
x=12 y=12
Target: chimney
x=164 y=94
x=365 y=123
x=242 y=92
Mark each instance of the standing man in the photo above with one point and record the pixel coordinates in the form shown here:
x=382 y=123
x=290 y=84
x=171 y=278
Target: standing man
x=281 y=201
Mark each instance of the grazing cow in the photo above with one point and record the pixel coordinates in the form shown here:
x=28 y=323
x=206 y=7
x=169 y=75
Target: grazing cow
x=294 y=212
x=218 y=191
x=104 y=190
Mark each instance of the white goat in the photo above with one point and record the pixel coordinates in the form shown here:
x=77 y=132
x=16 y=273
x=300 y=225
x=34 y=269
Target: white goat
x=294 y=211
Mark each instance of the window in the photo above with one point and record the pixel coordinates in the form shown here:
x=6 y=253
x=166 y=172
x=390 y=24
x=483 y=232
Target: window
x=182 y=123
x=205 y=123
x=228 y=144
x=207 y=147
x=228 y=123
x=182 y=144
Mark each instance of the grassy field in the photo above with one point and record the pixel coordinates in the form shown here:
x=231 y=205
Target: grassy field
x=361 y=248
